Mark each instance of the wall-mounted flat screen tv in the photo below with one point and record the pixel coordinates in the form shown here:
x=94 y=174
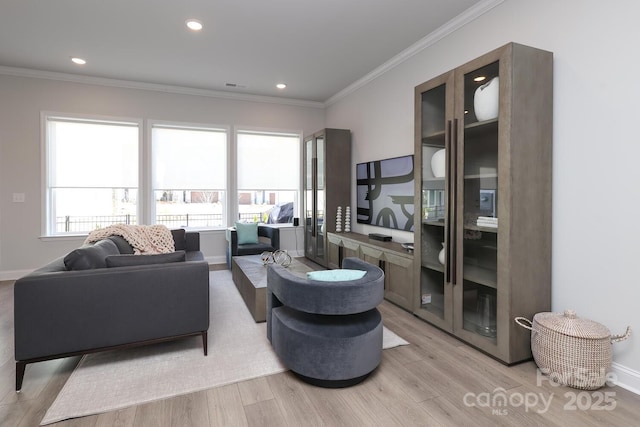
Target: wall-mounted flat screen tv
x=385 y=193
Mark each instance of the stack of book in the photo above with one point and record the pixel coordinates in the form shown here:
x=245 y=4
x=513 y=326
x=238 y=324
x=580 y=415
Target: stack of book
x=487 y=221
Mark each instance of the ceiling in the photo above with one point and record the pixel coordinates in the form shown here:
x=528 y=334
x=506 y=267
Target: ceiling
x=318 y=48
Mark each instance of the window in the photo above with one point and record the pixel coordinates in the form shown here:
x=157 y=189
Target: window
x=268 y=176
x=189 y=175
x=94 y=165
x=91 y=175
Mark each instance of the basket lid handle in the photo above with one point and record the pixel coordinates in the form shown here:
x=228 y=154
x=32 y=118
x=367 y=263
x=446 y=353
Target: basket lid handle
x=570 y=314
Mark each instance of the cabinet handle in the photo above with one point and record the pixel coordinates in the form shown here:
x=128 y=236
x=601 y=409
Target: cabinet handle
x=314 y=197
x=454 y=180
x=449 y=205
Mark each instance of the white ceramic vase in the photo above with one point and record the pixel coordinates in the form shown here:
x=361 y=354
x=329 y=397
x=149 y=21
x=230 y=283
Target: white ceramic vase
x=438 y=165
x=485 y=100
x=441 y=255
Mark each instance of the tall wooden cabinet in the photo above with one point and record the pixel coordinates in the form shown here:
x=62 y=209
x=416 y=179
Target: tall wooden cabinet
x=483 y=144
x=327 y=185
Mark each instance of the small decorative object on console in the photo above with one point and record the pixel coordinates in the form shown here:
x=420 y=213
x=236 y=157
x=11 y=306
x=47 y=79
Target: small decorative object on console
x=347 y=220
x=381 y=237
x=339 y=220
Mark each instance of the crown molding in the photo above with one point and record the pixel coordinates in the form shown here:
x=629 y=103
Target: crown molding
x=459 y=21
x=128 y=84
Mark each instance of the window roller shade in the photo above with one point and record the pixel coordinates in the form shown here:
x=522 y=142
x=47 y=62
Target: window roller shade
x=259 y=160
x=189 y=159
x=92 y=155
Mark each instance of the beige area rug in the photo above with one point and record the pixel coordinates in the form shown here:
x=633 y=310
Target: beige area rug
x=238 y=351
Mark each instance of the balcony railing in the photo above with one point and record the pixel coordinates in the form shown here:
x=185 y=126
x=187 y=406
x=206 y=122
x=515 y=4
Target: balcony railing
x=79 y=224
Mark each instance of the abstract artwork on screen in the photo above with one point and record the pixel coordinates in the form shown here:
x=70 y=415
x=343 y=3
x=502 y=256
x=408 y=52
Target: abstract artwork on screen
x=386 y=192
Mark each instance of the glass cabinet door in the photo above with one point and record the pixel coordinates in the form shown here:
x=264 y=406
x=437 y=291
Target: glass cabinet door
x=320 y=207
x=478 y=196
x=435 y=128
x=314 y=198
x=309 y=206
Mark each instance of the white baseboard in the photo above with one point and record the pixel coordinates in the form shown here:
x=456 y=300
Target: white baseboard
x=627 y=378
x=216 y=259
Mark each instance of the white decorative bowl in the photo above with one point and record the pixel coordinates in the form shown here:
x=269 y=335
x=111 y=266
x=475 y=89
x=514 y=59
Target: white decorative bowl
x=485 y=100
x=438 y=165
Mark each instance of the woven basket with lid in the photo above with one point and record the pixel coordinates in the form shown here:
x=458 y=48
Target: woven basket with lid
x=573 y=351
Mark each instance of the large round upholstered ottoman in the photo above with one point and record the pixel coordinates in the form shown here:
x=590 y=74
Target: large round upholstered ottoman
x=328 y=333
x=329 y=351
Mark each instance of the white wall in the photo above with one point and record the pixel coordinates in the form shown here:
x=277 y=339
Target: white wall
x=23 y=98
x=596 y=148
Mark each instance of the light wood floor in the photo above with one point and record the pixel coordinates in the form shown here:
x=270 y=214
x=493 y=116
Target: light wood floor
x=424 y=383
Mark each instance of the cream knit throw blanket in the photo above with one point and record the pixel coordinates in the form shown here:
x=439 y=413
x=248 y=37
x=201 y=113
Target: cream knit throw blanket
x=145 y=239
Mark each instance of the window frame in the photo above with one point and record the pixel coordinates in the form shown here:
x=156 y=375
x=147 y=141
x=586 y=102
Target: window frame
x=48 y=222
x=149 y=201
x=274 y=132
x=145 y=208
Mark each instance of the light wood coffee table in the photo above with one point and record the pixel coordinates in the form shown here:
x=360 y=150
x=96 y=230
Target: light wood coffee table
x=250 y=277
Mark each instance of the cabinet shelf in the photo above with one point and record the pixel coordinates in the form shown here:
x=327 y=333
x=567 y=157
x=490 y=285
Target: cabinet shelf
x=472 y=130
x=434 y=138
x=438 y=311
x=481 y=228
x=436 y=266
x=433 y=222
x=480 y=275
x=481 y=175
x=481 y=129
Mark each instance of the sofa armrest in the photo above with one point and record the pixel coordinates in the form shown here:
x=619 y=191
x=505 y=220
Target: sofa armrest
x=272 y=233
x=232 y=238
x=62 y=312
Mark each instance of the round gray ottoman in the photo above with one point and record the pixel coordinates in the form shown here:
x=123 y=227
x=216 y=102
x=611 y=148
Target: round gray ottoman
x=328 y=351
x=328 y=333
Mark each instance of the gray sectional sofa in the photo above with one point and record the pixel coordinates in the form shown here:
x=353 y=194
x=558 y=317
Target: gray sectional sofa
x=101 y=297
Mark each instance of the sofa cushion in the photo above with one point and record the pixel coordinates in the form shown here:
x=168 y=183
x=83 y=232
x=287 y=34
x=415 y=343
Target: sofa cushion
x=247 y=232
x=179 y=239
x=91 y=256
x=123 y=246
x=129 y=260
x=339 y=275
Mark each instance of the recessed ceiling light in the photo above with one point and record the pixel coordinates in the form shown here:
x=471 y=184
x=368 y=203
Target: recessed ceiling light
x=281 y=85
x=194 y=24
x=78 y=61
x=479 y=78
